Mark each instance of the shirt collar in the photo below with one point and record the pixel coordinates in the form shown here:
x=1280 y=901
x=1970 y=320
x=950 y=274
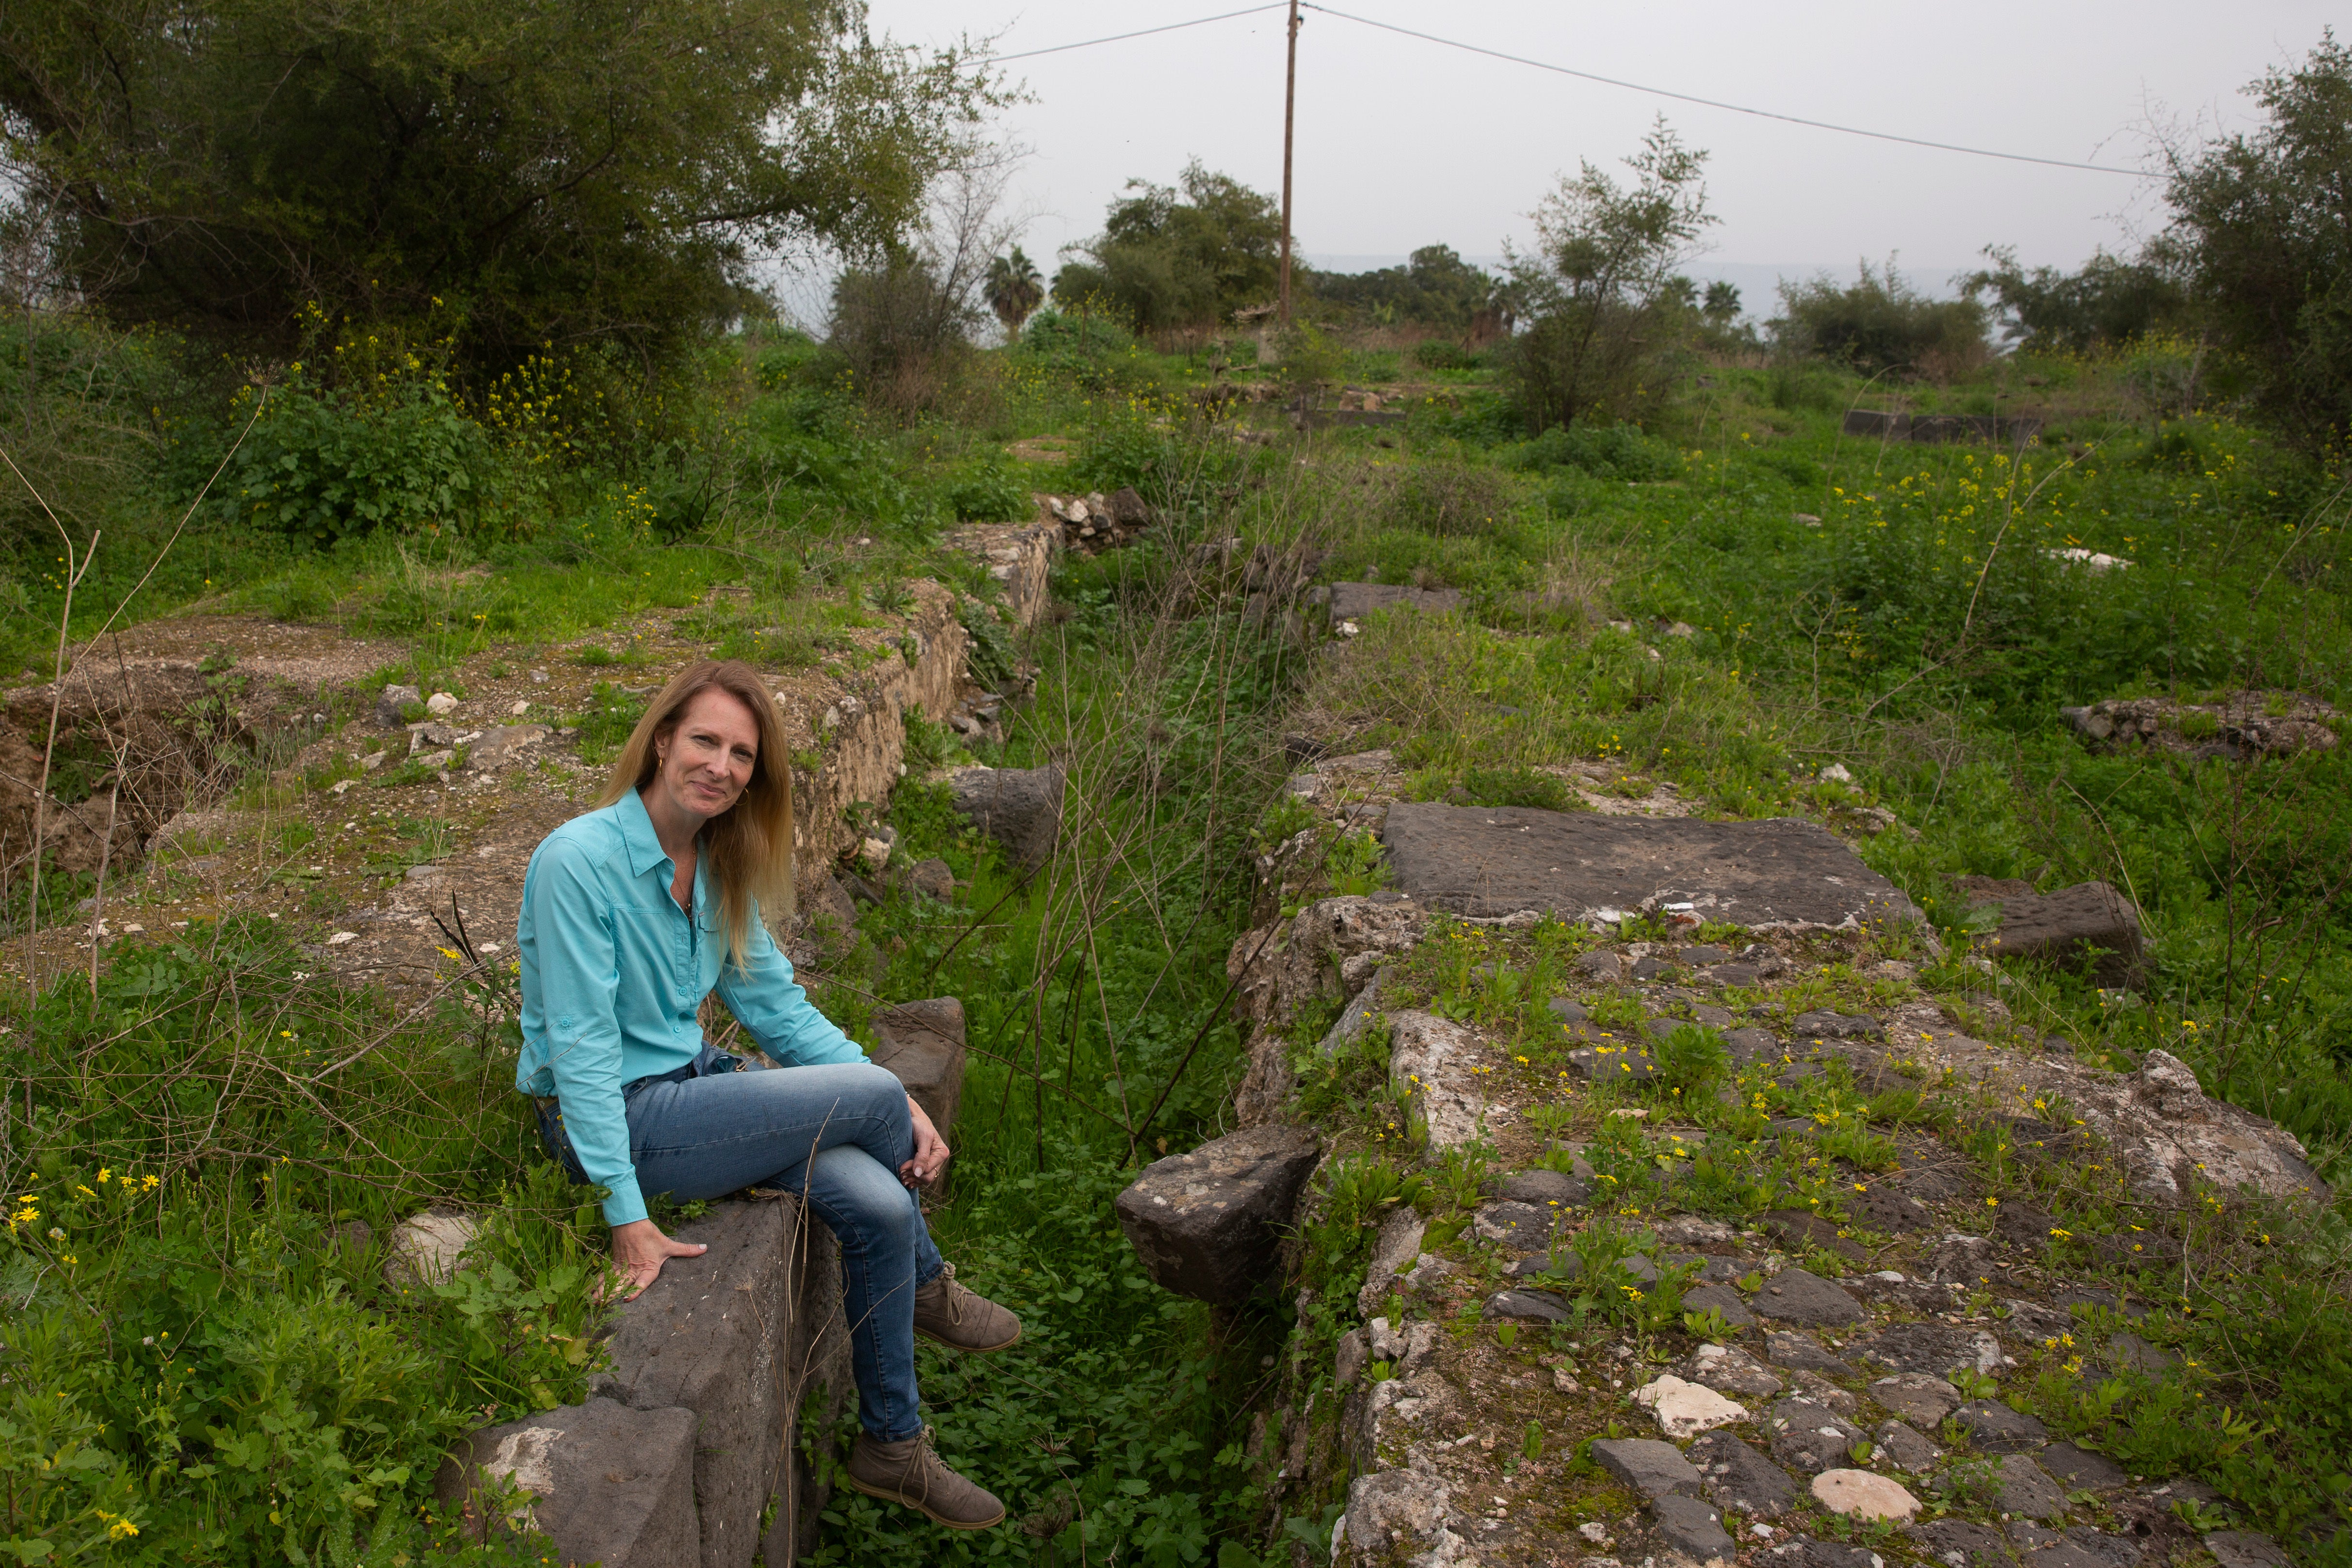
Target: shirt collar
x=637 y=831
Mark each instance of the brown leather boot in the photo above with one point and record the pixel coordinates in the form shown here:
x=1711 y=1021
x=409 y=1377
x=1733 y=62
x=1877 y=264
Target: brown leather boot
x=910 y=1472
x=951 y=1316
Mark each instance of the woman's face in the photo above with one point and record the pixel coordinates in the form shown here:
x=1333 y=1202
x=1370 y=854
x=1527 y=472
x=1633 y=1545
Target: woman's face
x=707 y=761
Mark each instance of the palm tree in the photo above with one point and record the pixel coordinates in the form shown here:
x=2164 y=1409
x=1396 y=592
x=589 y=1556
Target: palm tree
x=1013 y=290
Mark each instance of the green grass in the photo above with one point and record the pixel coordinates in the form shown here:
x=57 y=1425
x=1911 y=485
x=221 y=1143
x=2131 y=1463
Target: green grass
x=207 y=1363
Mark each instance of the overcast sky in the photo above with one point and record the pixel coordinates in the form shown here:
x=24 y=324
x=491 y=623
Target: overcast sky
x=1403 y=143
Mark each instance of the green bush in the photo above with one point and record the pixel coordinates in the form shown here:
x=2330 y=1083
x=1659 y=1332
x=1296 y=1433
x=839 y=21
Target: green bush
x=1071 y=341
x=321 y=466
x=988 y=491
x=1121 y=448
x=1447 y=499
x=1604 y=450
x=1795 y=387
x=795 y=360
x=1692 y=1060
x=1437 y=354
x=1880 y=322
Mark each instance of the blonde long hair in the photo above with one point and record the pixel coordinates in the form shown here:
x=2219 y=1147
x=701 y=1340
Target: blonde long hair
x=749 y=846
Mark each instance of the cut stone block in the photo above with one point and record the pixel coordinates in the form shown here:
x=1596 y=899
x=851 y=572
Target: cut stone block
x=1932 y=1349
x=1741 y=1478
x=2058 y=926
x=1020 y=808
x=1799 y=1353
x=1998 y=1429
x=706 y=1337
x=1694 y=1529
x=1908 y=1449
x=1546 y=1190
x=923 y=1043
x=1649 y=1466
x=425 y=1248
x=2083 y=1547
x=1496 y=861
x=1801 y=1229
x=1957 y=1543
x=1686 y=1409
x=2080 y=1469
x=1810 y=1436
x=1205 y=1223
x=1722 y=1298
x=1916 y=1397
x=1727 y=1369
x=2244 y=1549
x=1795 y=1296
x=2026 y=1492
x=1396 y=1506
x=503 y=744
x=1529 y=1306
x=1606 y=967
x=1354 y=600
x=1397 y=1245
x=1862 y=1495
x=604 y=1483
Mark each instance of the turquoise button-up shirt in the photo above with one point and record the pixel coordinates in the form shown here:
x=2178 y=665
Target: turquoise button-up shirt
x=614 y=973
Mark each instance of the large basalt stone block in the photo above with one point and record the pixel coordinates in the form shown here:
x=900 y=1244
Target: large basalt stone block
x=707 y=1337
x=606 y=1483
x=1204 y=1223
x=1020 y=808
x=1354 y=600
x=923 y=1043
x=1490 y=862
x=1878 y=424
x=819 y=1384
x=2058 y=927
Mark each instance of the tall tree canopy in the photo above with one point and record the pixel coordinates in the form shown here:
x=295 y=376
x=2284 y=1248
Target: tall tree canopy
x=2266 y=221
x=1599 y=292
x=1435 y=287
x=593 y=169
x=1178 y=255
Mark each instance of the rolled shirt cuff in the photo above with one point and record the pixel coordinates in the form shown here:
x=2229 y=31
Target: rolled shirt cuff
x=626 y=1204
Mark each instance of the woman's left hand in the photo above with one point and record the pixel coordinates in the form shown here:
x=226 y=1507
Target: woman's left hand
x=931 y=1151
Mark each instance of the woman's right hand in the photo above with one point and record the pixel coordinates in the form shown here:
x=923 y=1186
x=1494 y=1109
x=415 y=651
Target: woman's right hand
x=639 y=1251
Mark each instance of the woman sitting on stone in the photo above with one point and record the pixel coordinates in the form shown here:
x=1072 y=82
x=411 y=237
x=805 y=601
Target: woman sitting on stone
x=631 y=916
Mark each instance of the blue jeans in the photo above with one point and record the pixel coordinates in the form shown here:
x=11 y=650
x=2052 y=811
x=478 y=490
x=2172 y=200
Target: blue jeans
x=836 y=1135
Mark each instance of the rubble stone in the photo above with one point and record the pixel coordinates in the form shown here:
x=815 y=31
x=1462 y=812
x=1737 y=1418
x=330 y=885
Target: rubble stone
x=1204 y=1223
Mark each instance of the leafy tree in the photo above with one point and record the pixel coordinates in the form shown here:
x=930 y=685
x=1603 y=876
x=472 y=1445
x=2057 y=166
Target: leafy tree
x=903 y=318
x=1014 y=290
x=2264 y=221
x=1879 y=322
x=599 y=169
x=1178 y=255
x=2112 y=300
x=1435 y=287
x=1599 y=293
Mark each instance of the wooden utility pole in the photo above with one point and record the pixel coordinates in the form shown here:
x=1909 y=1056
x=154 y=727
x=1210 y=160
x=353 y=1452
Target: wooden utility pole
x=1289 y=116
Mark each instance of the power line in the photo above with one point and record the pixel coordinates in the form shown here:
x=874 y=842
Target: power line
x=1734 y=107
x=1145 y=32
x=1587 y=76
